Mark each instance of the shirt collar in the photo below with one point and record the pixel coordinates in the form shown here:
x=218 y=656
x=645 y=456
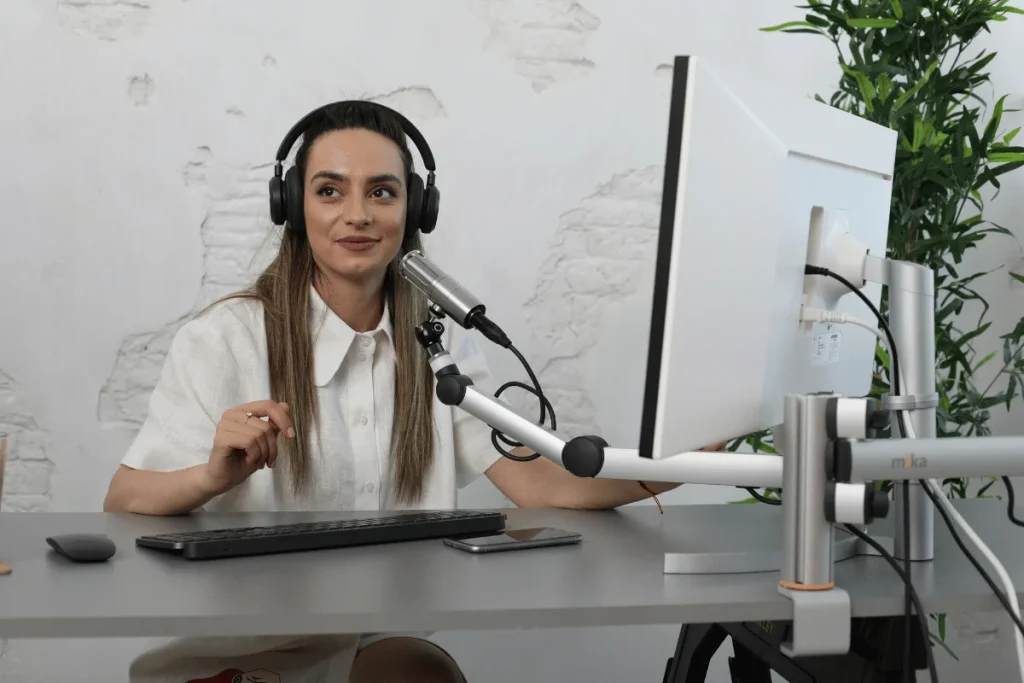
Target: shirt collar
x=332 y=337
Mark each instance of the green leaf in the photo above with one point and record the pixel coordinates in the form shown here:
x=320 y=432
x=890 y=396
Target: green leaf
x=789 y=24
x=990 y=175
x=993 y=123
x=871 y=23
x=1005 y=157
x=905 y=97
x=1017 y=277
x=986 y=487
x=897 y=8
x=885 y=86
x=984 y=360
x=974 y=333
x=867 y=88
x=1008 y=138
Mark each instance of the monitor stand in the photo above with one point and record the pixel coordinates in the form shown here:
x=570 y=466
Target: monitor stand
x=767 y=559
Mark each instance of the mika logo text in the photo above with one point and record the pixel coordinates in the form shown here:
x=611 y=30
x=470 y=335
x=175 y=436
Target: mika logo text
x=908 y=461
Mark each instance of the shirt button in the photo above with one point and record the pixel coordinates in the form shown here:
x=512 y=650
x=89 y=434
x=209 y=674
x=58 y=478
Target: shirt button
x=369 y=487
x=363 y=420
x=362 y=356
x=367 y=342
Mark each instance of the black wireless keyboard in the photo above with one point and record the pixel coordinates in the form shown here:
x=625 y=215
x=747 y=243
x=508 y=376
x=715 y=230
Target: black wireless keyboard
x=289 y=538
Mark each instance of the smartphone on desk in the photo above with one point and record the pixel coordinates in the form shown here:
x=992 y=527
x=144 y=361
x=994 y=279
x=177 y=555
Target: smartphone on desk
x=516 y=539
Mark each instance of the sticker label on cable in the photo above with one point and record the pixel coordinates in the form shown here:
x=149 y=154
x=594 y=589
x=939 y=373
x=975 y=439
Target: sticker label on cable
x=825 y=348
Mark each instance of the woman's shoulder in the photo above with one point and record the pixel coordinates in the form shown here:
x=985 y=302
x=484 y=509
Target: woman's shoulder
x=232 y=325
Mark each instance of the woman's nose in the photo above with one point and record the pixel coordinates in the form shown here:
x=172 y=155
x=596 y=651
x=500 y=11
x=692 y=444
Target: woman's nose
x=355 y=212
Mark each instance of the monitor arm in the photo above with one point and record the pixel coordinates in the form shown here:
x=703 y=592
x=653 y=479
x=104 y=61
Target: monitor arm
x=590 y=456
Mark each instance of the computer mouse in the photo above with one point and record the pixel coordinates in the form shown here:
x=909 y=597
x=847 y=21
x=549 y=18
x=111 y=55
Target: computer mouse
x=83 y=547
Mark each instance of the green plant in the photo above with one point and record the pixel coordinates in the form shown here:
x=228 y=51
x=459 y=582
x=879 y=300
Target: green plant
x=907 y=65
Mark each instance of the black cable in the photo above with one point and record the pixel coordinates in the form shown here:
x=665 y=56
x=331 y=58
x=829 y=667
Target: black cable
x=922 y=619
x=970 y=557
x=908 y=675
x=1010 y=502
x=545 y=408
x=762 y=499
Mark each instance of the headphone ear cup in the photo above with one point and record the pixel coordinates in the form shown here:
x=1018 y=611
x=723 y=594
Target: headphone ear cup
x=414 y=206
x=293 y=202
x=278 y=213
x=431 y=205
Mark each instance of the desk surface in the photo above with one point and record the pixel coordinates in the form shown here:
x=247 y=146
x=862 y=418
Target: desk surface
x=613 y=578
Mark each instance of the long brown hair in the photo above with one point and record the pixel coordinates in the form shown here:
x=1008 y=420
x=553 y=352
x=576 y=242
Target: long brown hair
x=283 y=290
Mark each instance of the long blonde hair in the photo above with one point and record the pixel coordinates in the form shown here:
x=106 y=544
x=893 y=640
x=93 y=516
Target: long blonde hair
x=283 y=289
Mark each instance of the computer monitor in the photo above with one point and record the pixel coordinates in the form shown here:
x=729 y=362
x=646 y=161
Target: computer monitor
x=757 y=184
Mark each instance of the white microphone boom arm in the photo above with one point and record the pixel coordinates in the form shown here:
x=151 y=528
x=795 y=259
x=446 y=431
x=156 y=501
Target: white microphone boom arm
x=590 y=456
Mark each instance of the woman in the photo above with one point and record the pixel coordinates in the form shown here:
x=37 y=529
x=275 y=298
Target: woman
x=310 y=392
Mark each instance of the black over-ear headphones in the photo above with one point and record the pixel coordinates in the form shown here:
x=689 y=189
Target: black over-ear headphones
x=286 y=193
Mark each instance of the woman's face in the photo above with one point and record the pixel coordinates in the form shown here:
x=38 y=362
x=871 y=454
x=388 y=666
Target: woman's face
x=355 y=200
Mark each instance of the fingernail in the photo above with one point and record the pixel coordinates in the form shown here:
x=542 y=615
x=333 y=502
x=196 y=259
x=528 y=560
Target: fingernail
x=291 y=432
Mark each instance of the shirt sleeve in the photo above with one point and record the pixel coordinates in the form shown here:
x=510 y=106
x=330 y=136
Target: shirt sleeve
x=474 y=452
x=193 y=390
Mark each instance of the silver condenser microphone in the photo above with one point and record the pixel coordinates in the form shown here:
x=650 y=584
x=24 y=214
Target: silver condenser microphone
x=457 y=303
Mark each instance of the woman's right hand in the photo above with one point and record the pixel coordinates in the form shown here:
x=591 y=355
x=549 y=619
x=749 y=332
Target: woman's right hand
x=245 y=443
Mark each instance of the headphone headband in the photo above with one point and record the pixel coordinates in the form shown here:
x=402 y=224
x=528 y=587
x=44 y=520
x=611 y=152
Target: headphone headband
x=407 y=127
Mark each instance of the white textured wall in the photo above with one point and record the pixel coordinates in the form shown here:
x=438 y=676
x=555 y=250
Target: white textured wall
x=140 y=137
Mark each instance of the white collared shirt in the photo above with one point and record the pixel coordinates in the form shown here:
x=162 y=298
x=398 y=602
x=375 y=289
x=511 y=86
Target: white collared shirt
x=218 y=361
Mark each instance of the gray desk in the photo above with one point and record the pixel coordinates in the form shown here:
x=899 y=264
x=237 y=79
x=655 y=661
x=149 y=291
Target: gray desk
x=614 y=578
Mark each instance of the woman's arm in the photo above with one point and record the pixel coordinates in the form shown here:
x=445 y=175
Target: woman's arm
x=159 y=493
x=193 y=444
x=241 y=446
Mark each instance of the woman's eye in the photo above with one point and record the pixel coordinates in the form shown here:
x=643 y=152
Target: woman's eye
x=382 y=192
x=327 y=191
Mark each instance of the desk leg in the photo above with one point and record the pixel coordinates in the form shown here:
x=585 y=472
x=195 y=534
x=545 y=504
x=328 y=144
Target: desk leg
x=746 y=667
x=697 y=644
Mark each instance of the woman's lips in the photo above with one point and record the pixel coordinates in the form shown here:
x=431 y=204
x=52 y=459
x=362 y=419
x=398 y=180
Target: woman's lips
x=357 y=243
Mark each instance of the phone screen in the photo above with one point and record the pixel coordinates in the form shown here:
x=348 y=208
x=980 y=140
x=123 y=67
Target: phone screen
x=519 y=536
